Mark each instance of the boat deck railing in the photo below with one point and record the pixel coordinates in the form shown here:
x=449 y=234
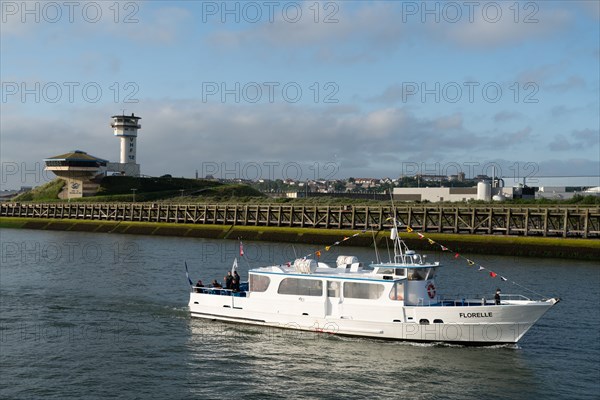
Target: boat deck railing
x=218 y=291
x=243 y=292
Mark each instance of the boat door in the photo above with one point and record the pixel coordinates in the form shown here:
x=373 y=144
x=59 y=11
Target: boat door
x=333 y=303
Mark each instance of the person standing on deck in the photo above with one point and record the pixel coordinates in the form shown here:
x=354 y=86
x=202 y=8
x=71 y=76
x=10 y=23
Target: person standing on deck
x=228 y=281
x=236 y=281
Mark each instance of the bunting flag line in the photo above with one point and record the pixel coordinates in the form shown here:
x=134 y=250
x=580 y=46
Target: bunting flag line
x=327 y=248
x=457 y=255
x=318 y=253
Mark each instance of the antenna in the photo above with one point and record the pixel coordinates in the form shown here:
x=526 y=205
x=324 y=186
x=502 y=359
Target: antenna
x=375 y=244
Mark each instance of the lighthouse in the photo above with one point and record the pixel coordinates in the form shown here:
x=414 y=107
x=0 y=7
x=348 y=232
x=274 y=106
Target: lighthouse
x=125 y=127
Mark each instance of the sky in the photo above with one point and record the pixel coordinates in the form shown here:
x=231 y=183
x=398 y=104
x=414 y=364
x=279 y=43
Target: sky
x=305 y=90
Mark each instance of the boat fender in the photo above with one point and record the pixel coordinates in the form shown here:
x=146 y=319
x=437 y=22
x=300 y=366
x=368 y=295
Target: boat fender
x=431 y=290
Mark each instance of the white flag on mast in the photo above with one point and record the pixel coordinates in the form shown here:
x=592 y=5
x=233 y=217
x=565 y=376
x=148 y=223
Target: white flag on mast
x=234 y=266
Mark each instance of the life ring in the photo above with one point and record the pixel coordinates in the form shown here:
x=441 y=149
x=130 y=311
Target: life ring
x=431 y=291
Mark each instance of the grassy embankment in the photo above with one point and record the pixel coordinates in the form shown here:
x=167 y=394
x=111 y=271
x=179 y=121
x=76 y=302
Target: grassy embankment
x=587 y=249
x=120 y=189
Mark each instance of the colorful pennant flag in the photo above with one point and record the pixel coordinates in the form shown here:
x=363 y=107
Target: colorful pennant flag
x=241 y=249
x=327 y=248
x=456 y=255
x=470 y=262
x=421 y=236
x=503 y=278
x=430 y=241
x=409 y=229
x=481 y=268
x=493 y=274
x=318 y=253
x=444 y=248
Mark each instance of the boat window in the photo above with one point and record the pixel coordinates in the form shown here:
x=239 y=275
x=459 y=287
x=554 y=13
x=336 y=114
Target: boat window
x=301 y=287
x=416 y=274
x=400 y=272
x=385 y=271
x=430 y=273
x=397 y=292
x=259 y=283
x=333 y=289
x=359 y=290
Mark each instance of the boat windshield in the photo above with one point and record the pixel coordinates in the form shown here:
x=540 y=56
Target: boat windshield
x=420 y=274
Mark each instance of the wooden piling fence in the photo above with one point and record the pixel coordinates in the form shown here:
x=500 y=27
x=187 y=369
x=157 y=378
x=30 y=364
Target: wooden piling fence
x=575 y=221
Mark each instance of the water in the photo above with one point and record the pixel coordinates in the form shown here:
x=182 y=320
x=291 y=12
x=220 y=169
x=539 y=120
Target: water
x=104 y=315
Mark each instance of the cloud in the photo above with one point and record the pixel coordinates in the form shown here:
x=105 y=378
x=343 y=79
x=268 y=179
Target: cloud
x=360 y=34
x=178 y=136
x=370 y=30
x=504 y=116
x=541 y=74
x=573 y=82
x=577 y=140
x=588 y=137
x=140 y=22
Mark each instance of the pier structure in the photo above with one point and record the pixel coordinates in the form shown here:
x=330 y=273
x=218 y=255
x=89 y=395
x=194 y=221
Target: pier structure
x=551 y=221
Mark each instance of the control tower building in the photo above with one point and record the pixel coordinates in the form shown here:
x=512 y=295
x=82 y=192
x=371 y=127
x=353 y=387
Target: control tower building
x=125 y=127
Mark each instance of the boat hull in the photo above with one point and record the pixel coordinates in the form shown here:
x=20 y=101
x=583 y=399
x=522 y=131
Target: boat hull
x=472 y=325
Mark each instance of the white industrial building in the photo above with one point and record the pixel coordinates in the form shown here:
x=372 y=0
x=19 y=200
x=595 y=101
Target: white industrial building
x=483 y=191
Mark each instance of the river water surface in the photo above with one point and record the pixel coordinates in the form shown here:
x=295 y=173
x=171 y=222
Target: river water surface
x=92 y=315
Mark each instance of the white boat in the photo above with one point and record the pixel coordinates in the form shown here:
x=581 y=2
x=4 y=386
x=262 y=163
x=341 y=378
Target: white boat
x=389 y=300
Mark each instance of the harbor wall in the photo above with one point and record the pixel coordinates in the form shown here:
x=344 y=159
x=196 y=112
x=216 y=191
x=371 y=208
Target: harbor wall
x=585 y=249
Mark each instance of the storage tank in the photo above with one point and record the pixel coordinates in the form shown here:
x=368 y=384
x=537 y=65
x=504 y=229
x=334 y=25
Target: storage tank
x=484 y=191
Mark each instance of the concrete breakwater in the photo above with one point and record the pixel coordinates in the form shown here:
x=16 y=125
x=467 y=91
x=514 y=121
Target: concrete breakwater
x=549 y=221
x=587 y=249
